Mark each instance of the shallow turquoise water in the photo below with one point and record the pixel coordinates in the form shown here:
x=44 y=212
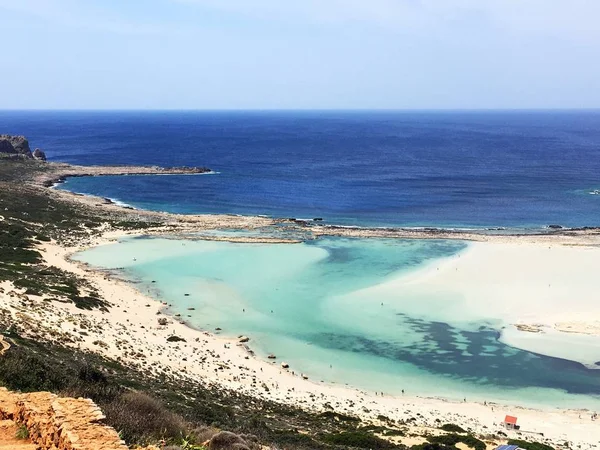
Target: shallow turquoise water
x=311 y=305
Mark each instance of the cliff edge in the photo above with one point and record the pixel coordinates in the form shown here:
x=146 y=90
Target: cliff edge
x=17 y=147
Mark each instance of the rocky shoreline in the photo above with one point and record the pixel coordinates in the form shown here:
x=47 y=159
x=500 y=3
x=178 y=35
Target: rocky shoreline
x=57 y=173
x=51 y=174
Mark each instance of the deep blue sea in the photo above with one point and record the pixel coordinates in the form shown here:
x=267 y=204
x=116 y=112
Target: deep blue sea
x=453 y=169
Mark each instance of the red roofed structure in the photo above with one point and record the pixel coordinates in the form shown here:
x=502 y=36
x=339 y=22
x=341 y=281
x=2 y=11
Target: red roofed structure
x=510 y=422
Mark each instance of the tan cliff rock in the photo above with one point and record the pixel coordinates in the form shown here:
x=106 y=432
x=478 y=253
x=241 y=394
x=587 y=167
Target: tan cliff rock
x=59 y=423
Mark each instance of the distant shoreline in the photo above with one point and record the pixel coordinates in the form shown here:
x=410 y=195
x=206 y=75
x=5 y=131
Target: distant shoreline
x=58 y=172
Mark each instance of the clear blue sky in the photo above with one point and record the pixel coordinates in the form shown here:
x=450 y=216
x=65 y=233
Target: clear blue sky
x=213 y=54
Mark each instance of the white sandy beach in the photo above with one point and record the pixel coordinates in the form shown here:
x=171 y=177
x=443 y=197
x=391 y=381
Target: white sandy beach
x=519 y=274
x=546 y=294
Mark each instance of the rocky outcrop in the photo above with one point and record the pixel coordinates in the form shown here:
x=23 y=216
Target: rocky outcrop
x=18 y=147
x=59 y=172
x=56 y=423
x=39 y=154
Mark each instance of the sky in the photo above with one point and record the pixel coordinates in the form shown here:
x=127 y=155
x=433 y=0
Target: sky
x=299 y=54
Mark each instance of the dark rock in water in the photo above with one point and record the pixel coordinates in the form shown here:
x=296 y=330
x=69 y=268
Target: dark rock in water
x=186 y=295
x=39 y=154
x=555 y=227
x=597 y=363
x=318 y=219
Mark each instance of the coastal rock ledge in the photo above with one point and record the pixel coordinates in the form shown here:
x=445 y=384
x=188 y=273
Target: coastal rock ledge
x=17 y=147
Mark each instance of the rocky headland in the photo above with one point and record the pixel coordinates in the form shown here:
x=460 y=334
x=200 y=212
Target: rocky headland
x=17 y=147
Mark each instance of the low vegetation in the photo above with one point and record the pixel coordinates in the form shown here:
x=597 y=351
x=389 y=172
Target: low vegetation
x=22 y=433
x=450 y=440
x=530 y=445
x=452 y=428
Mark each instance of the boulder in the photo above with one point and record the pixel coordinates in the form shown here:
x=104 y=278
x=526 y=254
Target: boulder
x=227 y=441
x=39 y=154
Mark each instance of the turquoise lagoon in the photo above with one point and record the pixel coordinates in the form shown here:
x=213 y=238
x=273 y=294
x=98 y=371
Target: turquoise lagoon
x=311 y=304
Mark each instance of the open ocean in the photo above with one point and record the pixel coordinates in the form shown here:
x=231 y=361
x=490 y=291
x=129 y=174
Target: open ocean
x=326 y=306
x=446 y=169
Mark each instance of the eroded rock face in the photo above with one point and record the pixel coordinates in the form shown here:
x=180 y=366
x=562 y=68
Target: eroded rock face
x=6 y=146
x=19 y=144
x=59 y=423
x=18 y=147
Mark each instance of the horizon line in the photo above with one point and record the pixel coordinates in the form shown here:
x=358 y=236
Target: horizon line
x=532 y=109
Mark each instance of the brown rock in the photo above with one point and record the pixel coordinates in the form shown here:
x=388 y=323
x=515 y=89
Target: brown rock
x=227 y=441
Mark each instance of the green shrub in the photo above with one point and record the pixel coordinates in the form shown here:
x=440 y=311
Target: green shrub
x=143 y=419
x=432 y=446
x=357 y=439
x=530 y=445
x=473 y=442
x=452 y=428
x=452 y=439
x=22 y=433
